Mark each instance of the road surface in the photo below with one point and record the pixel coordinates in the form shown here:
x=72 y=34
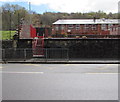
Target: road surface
x=60 y=81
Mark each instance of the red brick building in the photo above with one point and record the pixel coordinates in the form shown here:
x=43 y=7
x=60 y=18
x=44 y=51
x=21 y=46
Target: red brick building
x=85 y=27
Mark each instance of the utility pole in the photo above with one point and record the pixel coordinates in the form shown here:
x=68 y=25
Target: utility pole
x=30 y=12
x=10 y=26
x=18 y=25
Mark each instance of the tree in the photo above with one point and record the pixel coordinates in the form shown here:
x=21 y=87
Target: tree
x=11 y=15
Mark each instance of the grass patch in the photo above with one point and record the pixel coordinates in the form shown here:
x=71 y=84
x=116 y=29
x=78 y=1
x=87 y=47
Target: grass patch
x=5 y=35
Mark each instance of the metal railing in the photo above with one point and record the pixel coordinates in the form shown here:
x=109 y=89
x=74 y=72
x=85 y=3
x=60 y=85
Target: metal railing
x=21 y=54
x=61 y=54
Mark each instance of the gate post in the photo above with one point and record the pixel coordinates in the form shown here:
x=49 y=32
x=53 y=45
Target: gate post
x=25 y=55
x=46 y=54
x=67 y=54
x=3 y=55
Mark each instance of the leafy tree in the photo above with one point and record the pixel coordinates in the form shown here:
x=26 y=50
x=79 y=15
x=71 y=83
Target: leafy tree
x=11 y=16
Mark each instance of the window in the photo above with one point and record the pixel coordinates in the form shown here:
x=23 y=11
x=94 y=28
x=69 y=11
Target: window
x=94 y=27
x=103 y=27
x=86 y=27
x=116 y=28
x=56 y=28
x=110 y=26
x=77 y=27
x=70 y=26
x=62 y=27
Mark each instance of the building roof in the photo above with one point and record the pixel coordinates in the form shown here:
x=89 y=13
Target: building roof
x=86 y=21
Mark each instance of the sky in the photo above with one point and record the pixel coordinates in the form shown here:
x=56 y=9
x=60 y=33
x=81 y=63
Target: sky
x=68 y=6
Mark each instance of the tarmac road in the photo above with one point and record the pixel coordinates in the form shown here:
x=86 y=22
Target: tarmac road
x=60 y=81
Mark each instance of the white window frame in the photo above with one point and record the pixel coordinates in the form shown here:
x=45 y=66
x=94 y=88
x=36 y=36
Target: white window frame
x=77 y=27
x=56 y=28
x=62 y=27
x=70 y=26
x=94 y=27
x=86 y=27
x=103 y=26
x=110 y=26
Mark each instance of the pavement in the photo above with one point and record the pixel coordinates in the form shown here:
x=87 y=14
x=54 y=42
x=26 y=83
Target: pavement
x=64 y=61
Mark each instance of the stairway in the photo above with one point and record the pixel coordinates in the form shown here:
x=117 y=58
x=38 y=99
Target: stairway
x=38 y=47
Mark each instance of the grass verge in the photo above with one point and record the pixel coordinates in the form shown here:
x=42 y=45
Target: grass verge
x=6 y=35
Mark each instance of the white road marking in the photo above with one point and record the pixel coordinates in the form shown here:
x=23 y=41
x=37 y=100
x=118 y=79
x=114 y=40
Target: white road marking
x=102 y=73
x=23 y=72
x=43 y=73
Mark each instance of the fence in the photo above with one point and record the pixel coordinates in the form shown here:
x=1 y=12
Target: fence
x=63 y=54
x=29 y=54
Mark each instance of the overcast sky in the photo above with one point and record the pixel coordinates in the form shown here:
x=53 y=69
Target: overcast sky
x=69 y=6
